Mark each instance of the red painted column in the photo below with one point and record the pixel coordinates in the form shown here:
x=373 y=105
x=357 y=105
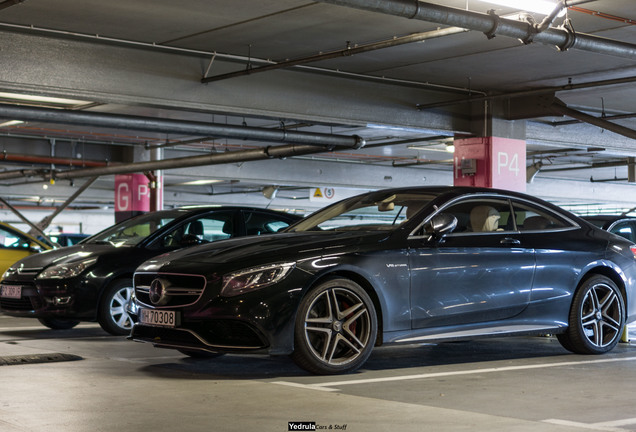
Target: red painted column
x=132 y=196
x=491 y=162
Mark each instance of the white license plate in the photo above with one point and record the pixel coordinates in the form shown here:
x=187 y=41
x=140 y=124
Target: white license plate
x=158 y=317
x=11 y=291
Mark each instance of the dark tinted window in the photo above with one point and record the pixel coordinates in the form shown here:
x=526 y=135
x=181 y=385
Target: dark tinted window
x=206 y=228
x=531 y=218
x=257 y=223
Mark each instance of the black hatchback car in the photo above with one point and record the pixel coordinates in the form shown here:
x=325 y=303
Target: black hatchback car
x=93 y=280
x=407 y=265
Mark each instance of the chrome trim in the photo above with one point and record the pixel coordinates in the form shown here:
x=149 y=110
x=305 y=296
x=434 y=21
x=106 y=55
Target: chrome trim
x=171 y=291
x=487 y=195
x=490 y=331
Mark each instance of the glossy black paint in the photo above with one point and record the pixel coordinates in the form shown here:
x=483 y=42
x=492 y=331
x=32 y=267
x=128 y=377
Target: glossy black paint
x=113 y=263
x=425 y=285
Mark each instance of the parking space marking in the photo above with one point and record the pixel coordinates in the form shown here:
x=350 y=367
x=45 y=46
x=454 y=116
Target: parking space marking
x=610 y=426
x=334 y=385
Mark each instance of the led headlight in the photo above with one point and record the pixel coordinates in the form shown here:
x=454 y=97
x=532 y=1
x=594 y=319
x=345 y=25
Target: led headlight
x=66 y=270
x=254 y=278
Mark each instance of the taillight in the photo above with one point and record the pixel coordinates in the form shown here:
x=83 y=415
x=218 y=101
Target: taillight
x=633 y=249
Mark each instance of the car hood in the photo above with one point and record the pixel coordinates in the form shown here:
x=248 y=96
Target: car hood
x=67 y=254
x=268 y=248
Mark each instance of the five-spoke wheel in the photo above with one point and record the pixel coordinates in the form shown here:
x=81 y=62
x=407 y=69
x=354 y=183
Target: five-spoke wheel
x=596 y=317
x=336 y=328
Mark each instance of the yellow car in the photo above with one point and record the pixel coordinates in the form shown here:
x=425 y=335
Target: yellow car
x=15 y=245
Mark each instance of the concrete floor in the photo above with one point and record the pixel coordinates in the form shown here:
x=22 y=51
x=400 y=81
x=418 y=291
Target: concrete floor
x=84 y=380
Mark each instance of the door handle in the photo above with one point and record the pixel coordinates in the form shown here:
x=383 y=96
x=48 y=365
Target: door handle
x=509 y=241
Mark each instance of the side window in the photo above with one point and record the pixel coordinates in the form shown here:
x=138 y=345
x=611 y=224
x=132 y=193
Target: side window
x=626 y=230
x=257 y=223
x=530 y=218
x=482 y=215
x=11 y=240
x=204 y=229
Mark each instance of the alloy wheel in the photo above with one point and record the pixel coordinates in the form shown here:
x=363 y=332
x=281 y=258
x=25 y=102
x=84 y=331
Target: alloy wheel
x=337 y=326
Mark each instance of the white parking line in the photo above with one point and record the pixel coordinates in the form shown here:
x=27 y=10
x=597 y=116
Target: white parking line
x=333 y=385
x=43 y=328
x=610 y=426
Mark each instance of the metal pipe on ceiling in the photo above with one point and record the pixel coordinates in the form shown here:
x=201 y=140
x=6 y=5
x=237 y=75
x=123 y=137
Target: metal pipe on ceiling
x=347 y=52
x=47 y=160
x=228 y=57
x=560 y=108
x=531 y=92
x=492 y=25
x=263 y=153
x=49 y=115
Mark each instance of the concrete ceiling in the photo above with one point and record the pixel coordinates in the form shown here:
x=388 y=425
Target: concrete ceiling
x=145 y=62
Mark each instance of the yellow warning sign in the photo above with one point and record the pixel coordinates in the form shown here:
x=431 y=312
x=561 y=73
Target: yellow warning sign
x=317 y=193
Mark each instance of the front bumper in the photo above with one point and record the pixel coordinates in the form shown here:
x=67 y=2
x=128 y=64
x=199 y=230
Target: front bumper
x=50 y=300
x=262 y=320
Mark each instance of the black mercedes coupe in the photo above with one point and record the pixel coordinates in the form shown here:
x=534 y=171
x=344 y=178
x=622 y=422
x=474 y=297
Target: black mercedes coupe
x=407 y=265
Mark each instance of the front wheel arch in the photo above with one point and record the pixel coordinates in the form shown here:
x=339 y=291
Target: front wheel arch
x=368 y=288
x=335 y=327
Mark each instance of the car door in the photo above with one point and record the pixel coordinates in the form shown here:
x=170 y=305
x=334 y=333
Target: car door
x=480 y=272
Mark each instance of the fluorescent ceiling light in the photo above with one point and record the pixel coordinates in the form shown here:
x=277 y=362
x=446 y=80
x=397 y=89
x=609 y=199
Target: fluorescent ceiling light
x=11 y=123
x=41 y=99
x=199 y=182
x=544 y=7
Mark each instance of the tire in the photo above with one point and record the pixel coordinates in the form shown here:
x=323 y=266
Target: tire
x=200 y=354
x=597 y=317
x=335 y=328
x=112 y=315
x=58 y=324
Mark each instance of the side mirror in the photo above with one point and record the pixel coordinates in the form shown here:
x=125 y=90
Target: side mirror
x=440 y=224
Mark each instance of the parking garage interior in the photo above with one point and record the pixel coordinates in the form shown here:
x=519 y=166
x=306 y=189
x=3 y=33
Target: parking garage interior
x=291 y=105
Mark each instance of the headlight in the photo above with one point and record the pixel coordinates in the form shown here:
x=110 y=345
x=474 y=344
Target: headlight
x=254 y=278
x=66 y=270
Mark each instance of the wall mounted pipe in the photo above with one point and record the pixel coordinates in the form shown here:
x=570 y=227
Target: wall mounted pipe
x=492 y=25
x=48 y=115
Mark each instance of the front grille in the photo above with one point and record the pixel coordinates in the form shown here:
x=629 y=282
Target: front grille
x=20 y=272
x=222 y=334
x=29 y=301
x=181 y=289
x=21 y=304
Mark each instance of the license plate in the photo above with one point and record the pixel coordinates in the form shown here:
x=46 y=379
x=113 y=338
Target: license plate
x=11 y=291
x=158 y=317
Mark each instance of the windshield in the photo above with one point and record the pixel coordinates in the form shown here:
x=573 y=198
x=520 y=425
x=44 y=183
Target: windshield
x=132 y=231
x=376 y=211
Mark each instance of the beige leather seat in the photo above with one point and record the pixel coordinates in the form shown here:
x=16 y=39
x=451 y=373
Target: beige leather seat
x=484 y=218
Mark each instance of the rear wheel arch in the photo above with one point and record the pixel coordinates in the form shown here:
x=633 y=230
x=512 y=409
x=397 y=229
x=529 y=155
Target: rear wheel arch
x=613 y=275
x=597 y=314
